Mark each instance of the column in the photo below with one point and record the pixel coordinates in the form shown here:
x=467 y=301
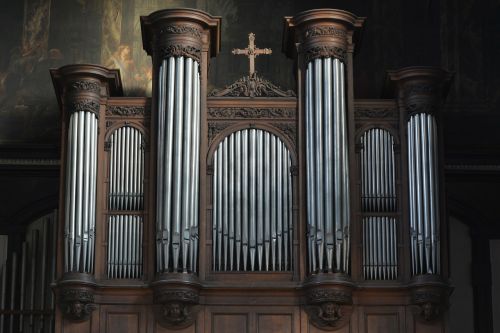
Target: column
x=420 y=93
x=80 y=90
x=322 y=42
x=180 y=42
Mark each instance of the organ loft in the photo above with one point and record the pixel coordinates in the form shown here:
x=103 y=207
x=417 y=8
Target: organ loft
x=247 y=208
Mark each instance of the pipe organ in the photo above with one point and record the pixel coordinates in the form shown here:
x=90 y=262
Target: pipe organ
x=250 y=208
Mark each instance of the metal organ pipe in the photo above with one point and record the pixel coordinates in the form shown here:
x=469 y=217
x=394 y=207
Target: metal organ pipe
x=424 y=194
x=178 y=165
x=126 y=195
x=327 y=167
x=80 y=192
x=378 y=190
x=256 y=180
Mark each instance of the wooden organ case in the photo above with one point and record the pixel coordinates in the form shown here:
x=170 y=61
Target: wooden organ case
x=250 y=208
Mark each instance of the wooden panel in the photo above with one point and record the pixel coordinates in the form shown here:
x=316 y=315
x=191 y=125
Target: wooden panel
x=275 y=323
x=123 y=319
x=382 y=323
x=229 y=323
x=382 y=319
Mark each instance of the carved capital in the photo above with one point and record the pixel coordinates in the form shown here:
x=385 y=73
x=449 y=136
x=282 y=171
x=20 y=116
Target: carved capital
x=420 y=89
x=180 y=33
x=321 y=33
x=187 y=51
x=83 y=105
x=324 y=51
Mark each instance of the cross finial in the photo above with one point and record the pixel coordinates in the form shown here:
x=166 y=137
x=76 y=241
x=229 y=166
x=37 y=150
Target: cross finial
x=252 y=51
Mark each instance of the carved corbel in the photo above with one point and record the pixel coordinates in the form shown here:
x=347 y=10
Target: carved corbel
x=329 y=304
x=76 y=296
x=429 y=297
x=176 y=301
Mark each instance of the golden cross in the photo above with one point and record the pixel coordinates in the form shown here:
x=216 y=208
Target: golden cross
x=252 y=51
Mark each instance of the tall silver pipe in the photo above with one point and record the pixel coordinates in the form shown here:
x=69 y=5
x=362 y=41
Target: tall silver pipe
x=215 y=210
x=328 y=157
x=219 y=209
x=286 y=207
x=425 y=191
x=69 y=193
x=252 y=197
x=177 y=161
x=318 y=160
x=238 y=199
x=86 y=194
x=345 y=171
x=311 y=195
x=225 y=200
x=337 y=161
x=266 y=192
x=245 y=189
x=274 y=206
x=13 y=290
x=187 y=160
x=260 y=202
x=411 y=195
x=73 y=180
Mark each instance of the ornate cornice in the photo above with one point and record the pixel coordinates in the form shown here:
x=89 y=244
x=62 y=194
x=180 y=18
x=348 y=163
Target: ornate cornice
x=324 y=51
x=126 y=110
x=84 y=105
x=180 y=51
x=252 y=86
x=325 y=30
x=249 y=112
x=181 y=29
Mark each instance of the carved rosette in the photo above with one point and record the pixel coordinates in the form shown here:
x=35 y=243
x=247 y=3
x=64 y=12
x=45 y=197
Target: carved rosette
x=176 y=301
x=429 y=297
x=76 y=296
x=178 y=33
x=329 y=301
x=126 y=110
x=420 y=89
x=321 y=33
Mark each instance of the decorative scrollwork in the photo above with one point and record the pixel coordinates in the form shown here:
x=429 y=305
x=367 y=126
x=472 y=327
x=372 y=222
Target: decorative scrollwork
x=324 y=51
x=376 y=113
x=180 y=51
x=77 y=304
x=290 y=130
x=246 y=112
x=87 y=86
x=181 y=29
x=323 y=30
x=252 y=86
x=125 y=110
x=328 y=295
x=84 y=105
x=215 y=128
